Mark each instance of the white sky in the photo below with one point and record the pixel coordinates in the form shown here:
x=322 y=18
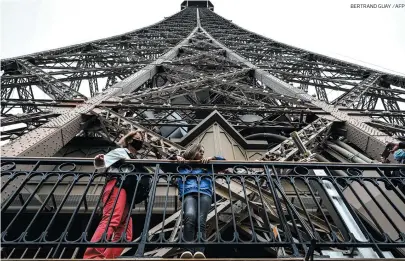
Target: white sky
x=375 y=37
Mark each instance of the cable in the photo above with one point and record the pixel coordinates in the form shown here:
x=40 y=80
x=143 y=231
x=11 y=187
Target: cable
x=400 y=73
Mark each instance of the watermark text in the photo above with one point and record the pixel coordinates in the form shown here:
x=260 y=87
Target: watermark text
x=377 y=6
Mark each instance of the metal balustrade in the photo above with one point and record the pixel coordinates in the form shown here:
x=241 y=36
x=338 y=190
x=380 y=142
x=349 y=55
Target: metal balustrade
x=273 y=209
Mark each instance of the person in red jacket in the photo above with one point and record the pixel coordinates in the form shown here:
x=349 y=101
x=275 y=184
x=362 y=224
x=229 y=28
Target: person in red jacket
x=131 y=143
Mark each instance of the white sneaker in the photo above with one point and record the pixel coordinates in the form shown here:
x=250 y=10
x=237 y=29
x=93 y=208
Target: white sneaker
x=199 y=254
x=186 y=254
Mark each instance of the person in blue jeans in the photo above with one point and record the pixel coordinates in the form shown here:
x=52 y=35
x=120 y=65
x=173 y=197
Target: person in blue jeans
x=190 y=192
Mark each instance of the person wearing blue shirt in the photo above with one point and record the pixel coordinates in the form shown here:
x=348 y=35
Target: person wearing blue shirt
x=399 y=155
x=192 y=190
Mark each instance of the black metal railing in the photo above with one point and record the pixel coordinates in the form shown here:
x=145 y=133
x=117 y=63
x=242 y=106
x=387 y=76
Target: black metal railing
x=51 y=207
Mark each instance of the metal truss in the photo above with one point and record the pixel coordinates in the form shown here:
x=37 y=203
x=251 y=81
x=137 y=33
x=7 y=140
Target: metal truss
x=181 y=75
x=30 y=120
x=49 y=85
x=306 y=70
x=66 y=73
x=216 y=79
x=156 y=146
x=60 y=106
x=312 y=134
x=192 y=72
x=356 y=125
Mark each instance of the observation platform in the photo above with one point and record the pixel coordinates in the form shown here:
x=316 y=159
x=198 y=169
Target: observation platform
x=197 y=3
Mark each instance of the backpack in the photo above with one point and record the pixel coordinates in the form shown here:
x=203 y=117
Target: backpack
x=131 y=181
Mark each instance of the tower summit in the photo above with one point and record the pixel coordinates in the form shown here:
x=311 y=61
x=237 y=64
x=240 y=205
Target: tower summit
x=198 y=4
x=302 y=135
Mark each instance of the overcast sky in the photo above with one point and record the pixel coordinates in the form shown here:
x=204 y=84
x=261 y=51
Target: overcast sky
x=375 y=37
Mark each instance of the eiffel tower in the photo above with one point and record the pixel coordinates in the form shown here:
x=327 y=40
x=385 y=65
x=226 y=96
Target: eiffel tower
x=195 y=77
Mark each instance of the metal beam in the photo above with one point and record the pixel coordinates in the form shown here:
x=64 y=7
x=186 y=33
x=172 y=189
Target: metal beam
x=309 y=134
x=51 y=86
x=370 y=140
x=46 y=140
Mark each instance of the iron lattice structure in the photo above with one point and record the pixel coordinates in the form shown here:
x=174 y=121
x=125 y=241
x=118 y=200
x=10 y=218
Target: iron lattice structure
x=197 y=77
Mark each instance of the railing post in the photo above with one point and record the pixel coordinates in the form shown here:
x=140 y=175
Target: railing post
x=310 y=253
x=280 y=210
x=144 y=237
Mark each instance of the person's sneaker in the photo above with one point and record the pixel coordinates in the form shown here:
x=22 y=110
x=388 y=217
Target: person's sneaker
x=186 y=254
x=199 y=254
